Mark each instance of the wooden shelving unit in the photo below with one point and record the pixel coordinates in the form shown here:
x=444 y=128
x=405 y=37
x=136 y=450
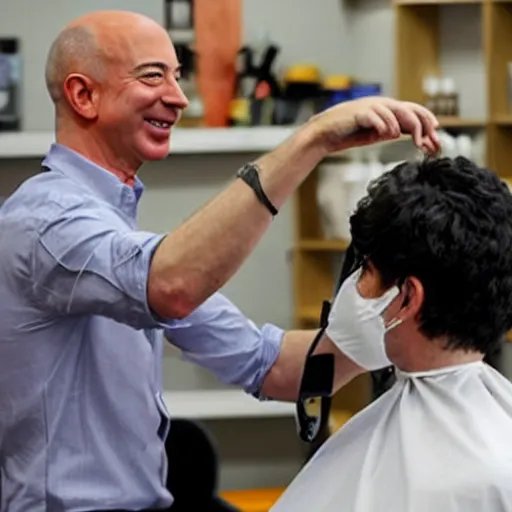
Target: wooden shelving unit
x=460 y=122
x=316 y=261
x=417 y=25
x=498 y=48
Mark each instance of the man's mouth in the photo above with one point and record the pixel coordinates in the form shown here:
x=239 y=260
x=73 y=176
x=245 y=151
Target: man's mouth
x=159 y=124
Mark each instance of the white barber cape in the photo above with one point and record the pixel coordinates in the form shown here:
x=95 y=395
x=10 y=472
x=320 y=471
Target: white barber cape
x=437 y=441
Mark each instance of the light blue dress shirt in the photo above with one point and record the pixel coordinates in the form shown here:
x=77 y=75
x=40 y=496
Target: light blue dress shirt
x=82 y=422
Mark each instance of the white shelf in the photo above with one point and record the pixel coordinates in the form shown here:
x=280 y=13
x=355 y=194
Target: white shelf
x=223 y=404
x=183 y=141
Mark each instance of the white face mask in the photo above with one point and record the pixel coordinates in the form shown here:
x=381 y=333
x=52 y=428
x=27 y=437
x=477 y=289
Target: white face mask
x=356 y=325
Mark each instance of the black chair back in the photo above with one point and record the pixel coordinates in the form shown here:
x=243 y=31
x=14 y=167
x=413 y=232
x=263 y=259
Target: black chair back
x=193 y=472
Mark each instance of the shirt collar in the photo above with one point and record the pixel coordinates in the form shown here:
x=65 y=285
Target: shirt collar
x=102 y=182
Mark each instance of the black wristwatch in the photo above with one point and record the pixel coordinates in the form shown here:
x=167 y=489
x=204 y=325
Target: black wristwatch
x=250 y=174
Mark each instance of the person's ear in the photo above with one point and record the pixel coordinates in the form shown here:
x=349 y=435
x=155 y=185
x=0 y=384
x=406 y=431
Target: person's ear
x=82 y=94
x=412 y=295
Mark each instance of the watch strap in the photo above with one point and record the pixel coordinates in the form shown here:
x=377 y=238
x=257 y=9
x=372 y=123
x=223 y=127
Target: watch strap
x=250 y=174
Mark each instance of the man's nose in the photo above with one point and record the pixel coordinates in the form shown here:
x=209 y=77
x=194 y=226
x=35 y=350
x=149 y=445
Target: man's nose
x=174 y=95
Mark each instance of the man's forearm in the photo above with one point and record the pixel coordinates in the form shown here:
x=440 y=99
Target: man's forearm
x=283 y=380
x=199 y=257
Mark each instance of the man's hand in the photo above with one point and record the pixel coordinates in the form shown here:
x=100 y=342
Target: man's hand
x=374 y=119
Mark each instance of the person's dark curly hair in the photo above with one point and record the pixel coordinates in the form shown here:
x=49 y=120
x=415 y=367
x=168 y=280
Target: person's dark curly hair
x=447 y=222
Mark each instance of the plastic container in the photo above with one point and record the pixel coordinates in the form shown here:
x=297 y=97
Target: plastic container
x=10 y=85
x=363 y=90
x=340 y=88
x=337 y=89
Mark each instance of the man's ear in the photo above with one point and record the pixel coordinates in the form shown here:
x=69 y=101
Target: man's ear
x=413 y=296
x=81 y=94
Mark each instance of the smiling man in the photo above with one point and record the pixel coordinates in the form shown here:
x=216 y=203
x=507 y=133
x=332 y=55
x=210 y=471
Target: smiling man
x=107 y=71
x=85 y=294
x=435 y=237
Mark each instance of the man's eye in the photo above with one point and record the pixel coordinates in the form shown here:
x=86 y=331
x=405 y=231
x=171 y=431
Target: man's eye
x=153 y=74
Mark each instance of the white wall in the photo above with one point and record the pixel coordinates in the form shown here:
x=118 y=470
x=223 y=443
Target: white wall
x=371 y=40
x=306 y=31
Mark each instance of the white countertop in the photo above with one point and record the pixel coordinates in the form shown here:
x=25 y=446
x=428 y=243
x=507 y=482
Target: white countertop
x=183 y=141
x=32 y=144
x=223 y=404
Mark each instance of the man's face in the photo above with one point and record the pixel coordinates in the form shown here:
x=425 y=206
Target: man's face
x=140 y=99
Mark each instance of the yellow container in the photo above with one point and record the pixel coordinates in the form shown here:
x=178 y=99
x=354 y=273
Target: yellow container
x=302 y=73
x=337 y=82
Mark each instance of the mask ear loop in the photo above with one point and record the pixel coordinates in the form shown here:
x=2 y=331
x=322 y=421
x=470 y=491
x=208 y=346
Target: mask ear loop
x=394 y=323
x=397 y=321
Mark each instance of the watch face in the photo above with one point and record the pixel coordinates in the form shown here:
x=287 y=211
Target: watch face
x=245 y=170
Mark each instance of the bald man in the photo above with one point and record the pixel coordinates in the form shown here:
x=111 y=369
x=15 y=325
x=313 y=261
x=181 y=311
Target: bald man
x=85 y=295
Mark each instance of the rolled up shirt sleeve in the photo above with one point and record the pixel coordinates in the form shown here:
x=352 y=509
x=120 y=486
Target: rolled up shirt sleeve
x=220 y=338
x=80 y=265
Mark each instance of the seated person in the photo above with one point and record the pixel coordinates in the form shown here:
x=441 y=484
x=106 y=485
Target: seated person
x=435 y=239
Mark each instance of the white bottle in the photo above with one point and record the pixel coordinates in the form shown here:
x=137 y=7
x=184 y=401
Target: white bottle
x=431 y=92
x=449 y=98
